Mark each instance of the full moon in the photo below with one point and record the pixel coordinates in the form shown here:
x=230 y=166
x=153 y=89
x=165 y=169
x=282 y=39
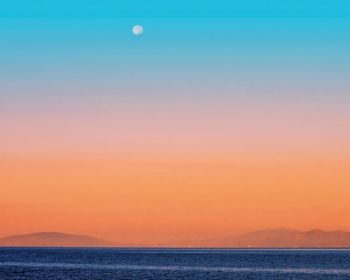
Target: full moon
x=137 y=30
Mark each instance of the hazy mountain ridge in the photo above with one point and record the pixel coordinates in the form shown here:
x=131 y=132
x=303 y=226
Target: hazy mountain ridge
x=54 y=239
x=289 y=238
x=275 y=238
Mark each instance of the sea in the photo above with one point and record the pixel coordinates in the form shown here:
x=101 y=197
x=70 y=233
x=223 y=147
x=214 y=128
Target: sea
x=191 y=264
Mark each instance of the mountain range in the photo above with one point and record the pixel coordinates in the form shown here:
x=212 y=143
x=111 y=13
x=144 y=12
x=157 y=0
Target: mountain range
x=275 y=238
x=289 y=238
x=54 y=239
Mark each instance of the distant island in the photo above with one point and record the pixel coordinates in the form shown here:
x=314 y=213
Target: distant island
x=275 y=238
x=54 y=239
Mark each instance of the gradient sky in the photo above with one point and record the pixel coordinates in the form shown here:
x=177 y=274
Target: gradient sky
x=223 y=117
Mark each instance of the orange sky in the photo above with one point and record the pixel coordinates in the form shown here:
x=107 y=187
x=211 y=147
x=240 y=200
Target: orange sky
x=152 y=202
x=169 y=177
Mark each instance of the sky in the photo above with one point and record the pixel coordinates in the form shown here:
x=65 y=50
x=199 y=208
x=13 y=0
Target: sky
x=221 y=118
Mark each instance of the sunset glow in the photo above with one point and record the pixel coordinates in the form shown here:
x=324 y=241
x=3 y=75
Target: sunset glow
x=203 y=127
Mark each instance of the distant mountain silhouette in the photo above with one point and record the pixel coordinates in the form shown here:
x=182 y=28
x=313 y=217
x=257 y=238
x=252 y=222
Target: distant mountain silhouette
x=289 y=238
x=54 y=239
x=274 y=238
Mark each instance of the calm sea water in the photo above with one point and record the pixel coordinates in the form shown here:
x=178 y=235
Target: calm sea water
x=109 y=264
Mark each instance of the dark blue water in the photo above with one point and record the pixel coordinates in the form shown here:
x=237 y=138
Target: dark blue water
x=109 y=264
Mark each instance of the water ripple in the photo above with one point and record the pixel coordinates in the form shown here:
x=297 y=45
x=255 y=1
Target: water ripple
x=178 y=268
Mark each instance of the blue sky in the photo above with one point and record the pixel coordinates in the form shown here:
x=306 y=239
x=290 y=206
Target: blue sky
x=179 y=8
x=269 y=48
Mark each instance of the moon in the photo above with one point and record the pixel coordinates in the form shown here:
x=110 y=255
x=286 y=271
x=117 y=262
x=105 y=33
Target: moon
x=137 y=30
